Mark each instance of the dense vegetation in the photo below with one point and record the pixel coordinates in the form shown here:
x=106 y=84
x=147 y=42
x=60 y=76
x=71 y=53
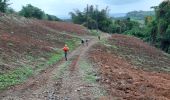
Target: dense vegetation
x=160 y=26
x=27 y=11
x=3 y=5
x=30 y=11
x=139 y=15
x=156 y=29
x=93 y=18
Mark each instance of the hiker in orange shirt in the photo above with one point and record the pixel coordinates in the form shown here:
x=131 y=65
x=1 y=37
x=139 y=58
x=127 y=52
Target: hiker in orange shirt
x=65 y=49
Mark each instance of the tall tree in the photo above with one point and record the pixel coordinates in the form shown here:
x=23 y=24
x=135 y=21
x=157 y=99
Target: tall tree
x=4 y=5
x=30 y=11
x=92 y=18
x=161 y=25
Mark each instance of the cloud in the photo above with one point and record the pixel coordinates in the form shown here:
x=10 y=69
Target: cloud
x=121 y=2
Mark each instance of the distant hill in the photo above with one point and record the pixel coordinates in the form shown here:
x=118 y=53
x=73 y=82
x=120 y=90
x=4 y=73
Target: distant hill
x=140 y=15
x=115 y=15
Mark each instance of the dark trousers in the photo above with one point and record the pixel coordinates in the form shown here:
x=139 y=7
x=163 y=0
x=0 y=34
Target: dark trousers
x=65 y=53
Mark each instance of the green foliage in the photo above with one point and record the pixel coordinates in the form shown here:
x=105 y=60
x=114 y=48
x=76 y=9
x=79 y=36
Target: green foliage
x=92 y=18
x=140 y=15
x=15 y=77
x=148 y=20
x=138 y=32
x=72 y=43
x=51 y=18
x=95 y=32
x=121 y=26
x=55 y=58
x=30 y=11
x=161 y=25
x=10 y=11
x=3 y=5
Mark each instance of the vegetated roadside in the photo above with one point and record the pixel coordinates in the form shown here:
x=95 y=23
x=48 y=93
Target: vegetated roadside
x=131 y=69
x=28 y=46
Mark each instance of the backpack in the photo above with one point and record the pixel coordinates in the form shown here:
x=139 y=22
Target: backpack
x=65 y=49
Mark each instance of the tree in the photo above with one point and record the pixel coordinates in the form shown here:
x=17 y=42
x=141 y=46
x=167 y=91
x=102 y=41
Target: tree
x=4 y=5
x=160 y=27
x=30 y=11
x=51 y=18
x=92 y=18
x=10 y=11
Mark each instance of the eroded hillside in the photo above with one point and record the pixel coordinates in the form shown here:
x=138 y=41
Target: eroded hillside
x=131 y=69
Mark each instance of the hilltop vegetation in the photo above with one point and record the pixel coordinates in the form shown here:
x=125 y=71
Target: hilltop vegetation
x=140 y=15
x=28 y=11
x=92 y=18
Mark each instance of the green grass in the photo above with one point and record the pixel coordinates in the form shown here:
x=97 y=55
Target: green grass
x=89 y=76
x=55 y=58
x=15 y=77
x=73 y=43
x=95 y=32
x=87 y=70
x=62 y=69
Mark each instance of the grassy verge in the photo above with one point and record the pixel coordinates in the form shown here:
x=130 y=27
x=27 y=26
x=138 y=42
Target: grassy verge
x=89 y=76
x=73 y=43
x=15 y=77
x=95 y=32
x=62 y=69
x=87 y=71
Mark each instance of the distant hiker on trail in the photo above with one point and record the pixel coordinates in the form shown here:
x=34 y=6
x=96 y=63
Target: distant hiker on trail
x=87 y=40
x=65 y=49
x=82 y=41
x=99 y=37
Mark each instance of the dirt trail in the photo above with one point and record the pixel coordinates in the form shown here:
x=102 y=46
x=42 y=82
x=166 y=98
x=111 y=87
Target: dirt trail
x=68 y=86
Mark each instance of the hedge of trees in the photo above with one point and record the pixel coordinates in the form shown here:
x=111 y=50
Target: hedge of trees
x=28 y=11
x=93 y=18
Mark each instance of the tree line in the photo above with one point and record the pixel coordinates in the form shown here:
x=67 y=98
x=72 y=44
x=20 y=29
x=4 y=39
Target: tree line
x=155 y=29
x=93 y=18
x=28 y=11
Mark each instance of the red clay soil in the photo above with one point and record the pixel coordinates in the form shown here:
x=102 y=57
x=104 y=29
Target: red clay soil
x=122 y=79
x=136 y=44
x=139 y=53
x=66 y=27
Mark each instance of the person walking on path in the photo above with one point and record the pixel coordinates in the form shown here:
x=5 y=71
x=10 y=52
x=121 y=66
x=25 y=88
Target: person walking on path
x=87 y=40
x=99 y=37
x=65 y=49
x=82 y=42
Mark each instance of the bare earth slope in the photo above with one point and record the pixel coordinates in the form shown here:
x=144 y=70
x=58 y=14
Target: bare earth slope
x=27 y=46
x=131 y=69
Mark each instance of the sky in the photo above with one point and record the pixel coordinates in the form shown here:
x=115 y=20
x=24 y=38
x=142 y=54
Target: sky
x=61 y=8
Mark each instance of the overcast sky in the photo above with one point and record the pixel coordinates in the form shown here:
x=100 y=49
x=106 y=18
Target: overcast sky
x=61 y=8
